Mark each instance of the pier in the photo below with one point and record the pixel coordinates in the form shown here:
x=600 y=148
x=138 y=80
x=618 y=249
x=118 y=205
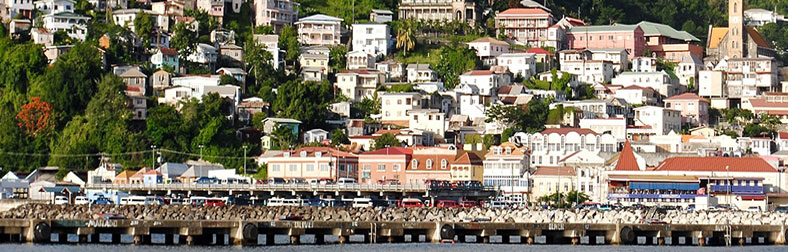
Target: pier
x=263 y=233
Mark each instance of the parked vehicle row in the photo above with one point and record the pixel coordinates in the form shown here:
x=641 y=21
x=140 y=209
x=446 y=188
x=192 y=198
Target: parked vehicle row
x=439 y=185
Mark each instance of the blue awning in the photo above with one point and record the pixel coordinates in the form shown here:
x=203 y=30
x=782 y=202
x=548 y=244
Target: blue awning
x=663 y=186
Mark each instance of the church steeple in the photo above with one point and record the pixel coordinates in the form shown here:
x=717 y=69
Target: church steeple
x=736 y=33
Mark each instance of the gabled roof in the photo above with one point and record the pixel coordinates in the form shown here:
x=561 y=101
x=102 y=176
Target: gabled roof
x=469 y=158
x=627 y=160
x=686 y=96
x=537 y=50
x=716 y=36
x=133 y=72
x=757 y=37
x=489 y=40
x=282 y=120
x=656 y=29
x=478 y=72
x=555 y=171
x=125 y=174
x=168 y=51
x=715 y=164
x=319 y=18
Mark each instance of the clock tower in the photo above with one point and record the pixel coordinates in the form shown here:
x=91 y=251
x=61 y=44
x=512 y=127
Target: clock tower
x=737 y=45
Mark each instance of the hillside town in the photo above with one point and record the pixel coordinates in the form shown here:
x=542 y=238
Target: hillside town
x=539 y=107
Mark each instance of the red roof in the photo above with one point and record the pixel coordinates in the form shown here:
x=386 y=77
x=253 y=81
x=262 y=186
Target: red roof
x=555 y=171
x=564 y=131
x=480 y=72
x=538 y=50
x=715 y=164
x=783 y=135
x=391 y=151
x=627 y=160
x=384 y=131
x=469 y=158
x=132 y=89
x=168 y=51
x=686 y=96
x=638 y=87
x=761 y=102
x=524 y=11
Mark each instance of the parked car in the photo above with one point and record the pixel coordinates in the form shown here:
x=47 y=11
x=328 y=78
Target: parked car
x=326 y=181
x=469 y=204
x=388 y=182
x=287 y=202
x=61 y=200
x=497 y=204
x=197 y=201
x=276 y=181
x=362 y=202
x=102 y=201
x=206 y=181
x=81 y=200
x=753 y=209
x=214 y=202
x=297 y=181
x=343 y=182
x=410 y=202
x=447 y=203
x=781 y=209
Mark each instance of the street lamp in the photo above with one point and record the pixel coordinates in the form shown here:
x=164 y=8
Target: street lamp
x=245 y=159
x=153 y=161
x=201 y=146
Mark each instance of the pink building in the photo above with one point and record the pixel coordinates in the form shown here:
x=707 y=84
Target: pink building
x=384 y=164
x=430 y=163
x=313 y=163
x=629 y=37
x=694 y=109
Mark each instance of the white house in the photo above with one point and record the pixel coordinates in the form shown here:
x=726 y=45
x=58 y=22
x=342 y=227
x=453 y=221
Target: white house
x=421 y=73
x=618 y=57
x=315 y=136
x=104 y=173
x=125 y=18
x=394 y=71
x=616 y=126
x=395 y=106
x=486 y=81
x=360 y=60
x=431 y=120
x=660 y=120
x=16 y=7
x=358 y=84
x=372 y=38
x=275 y=13
x=644 y=64
x=75 y=25
x=552 y=145
x=687 y=70
x=42 y=36
x=271 y=43
x=588 y=71
x=660 y=81
x=638 y=95
x=520 y=64
x=54 y=6
x=205 y=54
x=319 y=29
x=488 y=48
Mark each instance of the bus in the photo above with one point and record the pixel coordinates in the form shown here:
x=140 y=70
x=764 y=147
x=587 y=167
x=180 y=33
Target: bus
x=287 y=202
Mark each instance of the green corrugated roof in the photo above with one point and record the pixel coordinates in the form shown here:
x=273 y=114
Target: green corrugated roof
x=602 y=28
x=650 y=29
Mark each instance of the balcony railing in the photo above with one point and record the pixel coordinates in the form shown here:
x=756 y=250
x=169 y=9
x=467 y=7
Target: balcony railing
x=265 y=187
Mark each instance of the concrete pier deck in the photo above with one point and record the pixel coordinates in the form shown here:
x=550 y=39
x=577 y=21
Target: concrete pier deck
x=250 y=233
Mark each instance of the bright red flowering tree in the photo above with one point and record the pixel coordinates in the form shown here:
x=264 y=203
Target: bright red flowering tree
x=35 y=117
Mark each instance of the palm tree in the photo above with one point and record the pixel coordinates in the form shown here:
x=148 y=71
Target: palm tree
x=405 y=36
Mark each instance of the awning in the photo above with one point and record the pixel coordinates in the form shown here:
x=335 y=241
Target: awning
x=752 y=197
x=663 y=186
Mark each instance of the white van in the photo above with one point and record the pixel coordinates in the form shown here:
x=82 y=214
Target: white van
x=362 y=202
x=287 y=202
x=133 y=200
x=344 y=182
x=197 y=200
x=81 y=200
x=61 y=200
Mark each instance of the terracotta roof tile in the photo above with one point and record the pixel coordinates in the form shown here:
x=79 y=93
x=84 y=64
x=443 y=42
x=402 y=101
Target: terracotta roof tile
x=537 y=50
x=627 y=160
x=469 y=158
x=715 y=164
x=757 y=37
x=686 y=96
x=564 y=131
x=555 y=171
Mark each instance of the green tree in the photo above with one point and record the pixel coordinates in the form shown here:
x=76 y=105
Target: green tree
x=529 y=118
x=337 y=58
x=258 y=63
x=507 y=133
x=755 y=130
x=288 y=41
x=339 y=137
x=257 y=120
x=21 y=64
x=455 y=60
x=387 y=139
x=144 y=27
x=183 y=39
x=304 y=101
x=283 y=137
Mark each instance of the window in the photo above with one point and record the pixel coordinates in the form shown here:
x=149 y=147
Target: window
x=366 y=167
x=381 y=168
x=275 y=168
x=293 y=167
x=429 y=163
x=444 y=163
x=323 y=167
x=310 y=167
x=395 y=167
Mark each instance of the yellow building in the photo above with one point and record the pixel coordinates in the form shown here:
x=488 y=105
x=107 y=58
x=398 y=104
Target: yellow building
x=548 y=180
x=467 y=167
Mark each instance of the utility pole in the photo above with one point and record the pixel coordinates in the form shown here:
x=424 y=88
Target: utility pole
x=201 y=146
x=153 y=161
x=245 y=159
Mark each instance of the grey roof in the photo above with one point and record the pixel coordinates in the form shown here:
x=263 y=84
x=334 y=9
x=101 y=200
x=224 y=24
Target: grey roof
x=420 y=67
x=319 y=18
x=281 y=120
x=172 y=169
x=691 y=59
x=317 y=131
x=197 y=171
x=59 y=189
x=133 y=72
x=232 y=70
x=383 y=11
x=656 y=29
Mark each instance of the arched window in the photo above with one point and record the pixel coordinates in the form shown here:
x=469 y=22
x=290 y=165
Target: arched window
x=414 y=164
x=734 y=6
x=444 y=163
x=429 y=163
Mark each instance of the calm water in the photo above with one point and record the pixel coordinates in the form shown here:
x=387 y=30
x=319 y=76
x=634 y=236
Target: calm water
x=420 y=247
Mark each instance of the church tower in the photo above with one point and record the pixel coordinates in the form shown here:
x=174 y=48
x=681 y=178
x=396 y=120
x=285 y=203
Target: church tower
x=736 y=33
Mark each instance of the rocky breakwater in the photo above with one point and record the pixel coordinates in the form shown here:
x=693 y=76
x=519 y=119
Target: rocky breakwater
x=262 y=213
